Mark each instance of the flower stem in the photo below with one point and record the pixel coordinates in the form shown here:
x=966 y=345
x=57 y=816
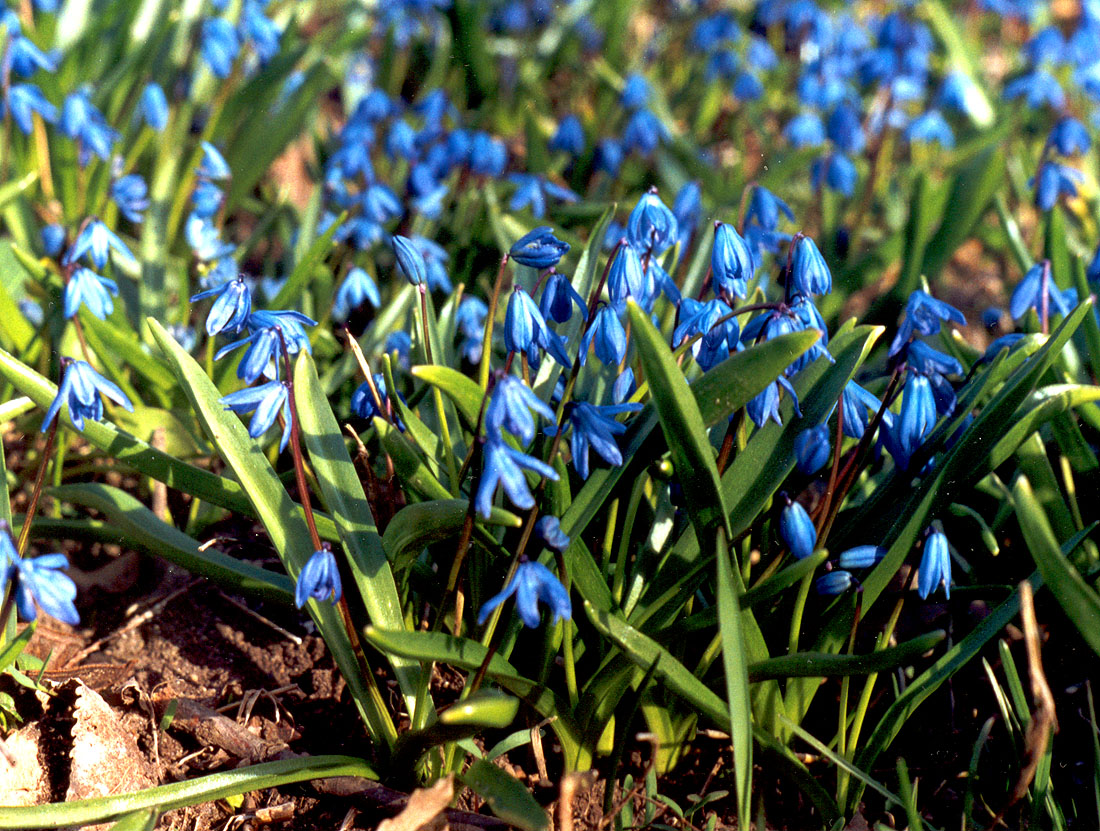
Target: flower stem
x=490 y=317
x=36 y=492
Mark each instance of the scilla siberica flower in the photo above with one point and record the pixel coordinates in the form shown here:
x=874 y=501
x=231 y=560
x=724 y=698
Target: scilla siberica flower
x=595 y=426
x=267 y=400
x=37 y=581
x=213 y=165
x=809 y=273
x=97 y=241
x=319 y=579
x=627 y=279
x=797 y=529
x=652 y=227
x=1038 y=289
x=470 y=322
x=95 y=292
x=131 y=194
x=1054 y=180
x=232 y=307
x=1069 y=137
x=862 y=556
x=558 y=299
x=525 y=330
x=504 y=466
x=837 y=581
x=510 y=407
x=935 y=566
x=538 y=248
x=569 y=137
x=409 y=259
x=153 y=107
x=356 y=289
x=80 y=388
x=812 y=449
x=608 y=334
x=923 y=314
x=23 y=101
x=918 y=416
x=549 y=530
x=219 y=45
x=731 y=262
x=531 y=583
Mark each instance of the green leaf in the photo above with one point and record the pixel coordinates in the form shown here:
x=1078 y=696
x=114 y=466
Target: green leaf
x=151 y=534
x=285 y=525
x=684 y=429
x=303 y=270
x=138 y=821
x=483 y=710
x=826 y=664
x=506 y=796
x=1077 y=598
x=12 y=649
x=464 y=653
x=734 y=663
x=182 y=794
x=464 y=391
x=423 y=523
x=409 y=465
x=343 y=492
x=783 y=579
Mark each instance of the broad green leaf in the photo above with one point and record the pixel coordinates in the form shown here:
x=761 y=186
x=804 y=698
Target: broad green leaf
x=145 y=820
x=424 y=523
x=463 y=653
x=506 y=796
x=1077 y=598
x=155 y=536
x=13 y=648
x=736 y=671
x=343 y=492
x=462 y=390
x=410 y=467
x=684 y=429
x=208 y=788
x=285 y=525
x=483 y=710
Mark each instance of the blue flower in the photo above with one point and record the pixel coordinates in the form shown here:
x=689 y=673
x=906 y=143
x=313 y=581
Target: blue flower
x=1053 y=181
x=263 y=342
x=510 y=408
x=809 y=273
x=26 y=58
x=935 y=566
x=97 y=240
x=930 y=128
x=356 y=289
x=923 y=314
x=862 y=556
x=219 y=45
x=845 y=129
x=258 y=30
x=558 y=299
x=95 y=292
x=37 y=580
x=538 y=248
x=961 y=94
x=488 y=155
x=153 y=106
x=765 y=207
x=835 y=171
x=80 y=388
x=531 y=583
x=797 y=530
x=319 y=579
x=812 y=449
x=363 y=402
x=80 y=120
x=856 y=403
x=652 y=227
x=131 y=194
x=549 y=529
x=627 y=279
x=267 y=400
x=594 y=426
x=805 y=130
x=635 y=92
x=915 y=421
x=504 y=466
x=232 y=307
x=609 y=335
x=766 y=404
x=213 y=165
x=731 y=261
x=409 y=259
x=643 y=132
x=206 y=198
x=834 y=582
x=609 y=156
x=747 y=87
x=525 y=330
x=531 y=191
x=1037 y=88
x=569 y=137
x=470 y=322
x=1038 y=288
x=1069 y=137
x=53 y=238
x=26 y=99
